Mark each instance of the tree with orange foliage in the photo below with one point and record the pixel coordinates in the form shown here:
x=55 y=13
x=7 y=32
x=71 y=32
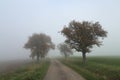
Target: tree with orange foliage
x=82 y=36
x=39 y=44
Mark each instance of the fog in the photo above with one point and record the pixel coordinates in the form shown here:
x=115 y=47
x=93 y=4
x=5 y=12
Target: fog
x=19 y=19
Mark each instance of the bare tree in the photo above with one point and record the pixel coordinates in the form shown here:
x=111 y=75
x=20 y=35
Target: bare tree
x=65 y=50
x=39 y=44
x=81 y=36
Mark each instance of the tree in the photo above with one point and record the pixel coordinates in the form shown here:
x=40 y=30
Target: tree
x=82 y=36
x=65 y=50
x=39 y=44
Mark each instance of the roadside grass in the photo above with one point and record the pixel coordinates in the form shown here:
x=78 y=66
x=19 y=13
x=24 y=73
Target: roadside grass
x=96 y=68
x=34 y=71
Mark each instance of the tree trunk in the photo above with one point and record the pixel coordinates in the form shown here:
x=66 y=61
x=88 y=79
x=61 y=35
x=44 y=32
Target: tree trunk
x=38 y=56
x=65 y=56
x=84 y=57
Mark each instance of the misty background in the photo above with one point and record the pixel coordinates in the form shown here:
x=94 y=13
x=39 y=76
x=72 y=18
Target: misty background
x=19 y=19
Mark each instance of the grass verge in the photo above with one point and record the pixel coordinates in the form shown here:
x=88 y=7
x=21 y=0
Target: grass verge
x=97 y=68
x=35 y=71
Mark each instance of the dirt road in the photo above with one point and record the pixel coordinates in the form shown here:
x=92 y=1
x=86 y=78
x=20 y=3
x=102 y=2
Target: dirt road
x=58 y=71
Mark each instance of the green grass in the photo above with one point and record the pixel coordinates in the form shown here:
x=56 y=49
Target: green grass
x=96 y=68
x=35 y=71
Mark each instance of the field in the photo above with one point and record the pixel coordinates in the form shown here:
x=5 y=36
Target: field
x=96 y=68
x=11 y=65
x=25 y=71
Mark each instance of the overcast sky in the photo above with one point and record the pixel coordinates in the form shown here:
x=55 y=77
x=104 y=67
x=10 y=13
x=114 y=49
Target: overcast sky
x=19 y=19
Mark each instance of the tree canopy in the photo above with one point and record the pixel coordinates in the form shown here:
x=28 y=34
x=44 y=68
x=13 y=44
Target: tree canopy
x=65 y=49
x=39 y=44
x=82 y=36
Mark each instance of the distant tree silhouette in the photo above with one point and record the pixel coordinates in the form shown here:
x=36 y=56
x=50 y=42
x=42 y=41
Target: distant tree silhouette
x=65 y=49
x=39 y=44
x=81 y=36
